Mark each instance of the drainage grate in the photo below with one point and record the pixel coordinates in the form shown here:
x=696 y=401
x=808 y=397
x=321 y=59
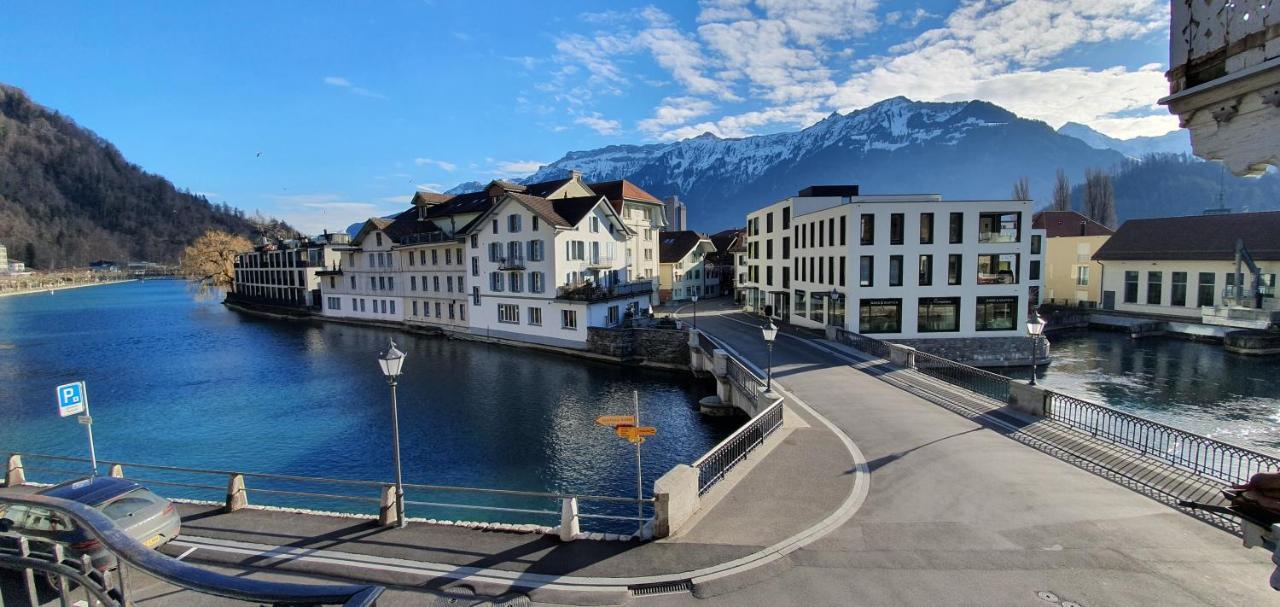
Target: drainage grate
x=662 y=588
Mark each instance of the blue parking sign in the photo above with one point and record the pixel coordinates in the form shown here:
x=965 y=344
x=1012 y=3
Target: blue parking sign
x=71 y=398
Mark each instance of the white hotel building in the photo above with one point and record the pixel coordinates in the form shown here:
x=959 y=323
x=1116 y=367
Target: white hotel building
x=913 y=269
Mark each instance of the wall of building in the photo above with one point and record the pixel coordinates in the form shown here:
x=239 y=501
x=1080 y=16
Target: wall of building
x=1114 y=281
x=659 y=346
x=371 y=280
x=1064 y=256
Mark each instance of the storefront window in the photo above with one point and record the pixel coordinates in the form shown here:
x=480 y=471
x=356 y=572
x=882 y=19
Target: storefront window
x=939 y=314
x=880 y=316
x=997 y=313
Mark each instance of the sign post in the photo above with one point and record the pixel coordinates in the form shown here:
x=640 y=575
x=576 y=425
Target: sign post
x=73 y=398
x=628 y=427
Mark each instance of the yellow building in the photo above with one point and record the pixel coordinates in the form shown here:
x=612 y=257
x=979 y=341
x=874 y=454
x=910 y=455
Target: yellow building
x=1071 y=276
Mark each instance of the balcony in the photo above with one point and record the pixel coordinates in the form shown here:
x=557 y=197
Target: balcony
x=510 y=263
x=600 y=261
x=592 y=292
x=1224 y=80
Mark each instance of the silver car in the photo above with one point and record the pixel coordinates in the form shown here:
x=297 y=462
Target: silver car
x=141 y=514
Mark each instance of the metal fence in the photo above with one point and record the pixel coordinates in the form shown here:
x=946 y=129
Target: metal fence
x=745 y=380
x=730 y=452
x=986 y=383
x=870 y=345
x=1205 y=456
x=354 y=496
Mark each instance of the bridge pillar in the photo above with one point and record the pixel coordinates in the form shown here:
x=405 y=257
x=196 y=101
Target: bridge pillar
x=570 y=525
x=387 y=511
x=1027 y=398
x=675 y=497
x=14 y=474
x=902 y=356
x=237 y=499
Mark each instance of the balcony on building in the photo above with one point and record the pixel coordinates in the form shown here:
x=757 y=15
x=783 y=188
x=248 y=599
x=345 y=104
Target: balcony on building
x=600 y=261
x=594 y=291
x=511 y=262
x=1224 y=80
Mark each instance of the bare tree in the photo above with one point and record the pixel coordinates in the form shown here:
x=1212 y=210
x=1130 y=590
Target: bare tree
x=209 y=262
x=1022 y=189
x=1061 y=193
x=1099 y=198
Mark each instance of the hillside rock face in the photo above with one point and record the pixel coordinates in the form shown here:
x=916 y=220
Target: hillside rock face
x=67 y=197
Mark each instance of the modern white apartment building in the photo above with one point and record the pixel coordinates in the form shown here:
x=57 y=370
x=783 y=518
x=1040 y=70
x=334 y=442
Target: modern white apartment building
x=686 y=269
x=1186 y=267
x=909 y=268
x=285 y=273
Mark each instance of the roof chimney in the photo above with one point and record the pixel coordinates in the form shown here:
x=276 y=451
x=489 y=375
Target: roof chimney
x=1084 y=225
x=575 y=174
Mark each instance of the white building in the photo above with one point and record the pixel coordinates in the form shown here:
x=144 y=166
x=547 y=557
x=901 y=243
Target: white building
x=1186 y=267
x=686 y=270
x=644 y=214
x=285 y=273
x=912 y=269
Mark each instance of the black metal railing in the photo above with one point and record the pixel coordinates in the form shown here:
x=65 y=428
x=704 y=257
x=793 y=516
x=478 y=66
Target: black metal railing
x=745 y=380
x=986 y=383
x=732 y=450
x=110 y=588
x=870 y=345
x=1199 y=454
x=594 y=292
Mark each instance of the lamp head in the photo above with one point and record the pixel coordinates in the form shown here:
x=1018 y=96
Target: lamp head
x=391 y=360
x=769 y=331
x=1035 y=325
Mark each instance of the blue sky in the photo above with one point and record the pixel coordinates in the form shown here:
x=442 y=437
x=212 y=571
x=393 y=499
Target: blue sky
x=354 y=106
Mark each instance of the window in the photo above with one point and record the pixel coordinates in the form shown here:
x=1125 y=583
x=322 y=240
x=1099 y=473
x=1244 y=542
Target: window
x=938 y=315
x=475 y=266
x=1155 y=284
x=1035 y=244
x=768 y=276
x=926 y=228
x=495 y=281
x=415 y=307
x=353 y=283
x=449 y=283
x=535 y=316
x=768 y=223
x=513 y=223
x=999 y=227
x=926 y=270
x=1033 y=269
x=997 y=313
x=475 y=296
x=354 y=305
x=516 y=281
x=956 y=230
x=475 y=242
x=866 y=271
x=895 y=270
x=868 y=233
x=1178 y=290
x=1000 y=269
x=880 y=316
x=435 y=284
x=768 y=249
x=448 y=257
x=411 y=258
x=786 y=247
x=437 y=309
x=392 y=303
x=569 y=319
x=802 y=306
x=536 y=282
x=954 y=273
x=842 y=257
x=786 y=276
x=822 y=235
x=843 y=230
x=595 y=224
x=391 y=283
x=896 y=221
x=509 y=313
x=495 y=251
x=378 y=237
x=1131 y=286
x=831 y=231
x=452 y=307
x=786 y=218
x=535 y=250
x=817 y=310
x=514 y=249
x=462 y=311
x=535 y=223
x=1082 y=276
x=335 y=303
x=495 y=226
x=422 y=257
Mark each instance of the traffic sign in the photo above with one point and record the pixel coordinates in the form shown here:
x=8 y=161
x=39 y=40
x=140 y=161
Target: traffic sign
x=613 y=421
x=631 y=432
x=71 y=398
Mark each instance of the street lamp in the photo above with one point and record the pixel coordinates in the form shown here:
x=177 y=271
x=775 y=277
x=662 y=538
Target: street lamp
x=391 y=361
x=1035 y=327
x=695 y=311
x=831 y=314
x=770 y=333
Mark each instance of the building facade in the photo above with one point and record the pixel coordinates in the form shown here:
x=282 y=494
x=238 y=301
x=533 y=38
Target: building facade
x=686 y=268
x=1186 y=267
x=285 y=274
x=645 y=215
x=1071 y=276
x=895 y=267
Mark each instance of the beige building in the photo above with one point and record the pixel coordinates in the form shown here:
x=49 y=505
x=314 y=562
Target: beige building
x=1071 y=276
x=644 y=214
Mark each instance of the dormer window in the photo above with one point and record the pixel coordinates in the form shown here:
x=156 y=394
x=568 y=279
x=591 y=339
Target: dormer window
x=595 y=224
x=378 y=237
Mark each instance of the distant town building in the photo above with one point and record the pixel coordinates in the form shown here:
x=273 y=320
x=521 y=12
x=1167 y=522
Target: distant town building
x=645 y=215
x=913 y=268
x=4 y=259
x=685 y=268
x=1071 y=276
x=731 y=248
x=1186 y=267
x=104 y=266
x=281 y=274
x=677 y=214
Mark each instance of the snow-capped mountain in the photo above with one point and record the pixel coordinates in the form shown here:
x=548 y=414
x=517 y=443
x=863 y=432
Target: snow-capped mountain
x=961 y=150
x=1175 y=142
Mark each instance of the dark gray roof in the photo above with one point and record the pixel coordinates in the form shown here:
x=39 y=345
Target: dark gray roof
x=1057 y=224
x=673 y=246
x=1207 y=237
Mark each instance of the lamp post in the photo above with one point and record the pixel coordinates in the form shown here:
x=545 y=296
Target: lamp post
x=770 y=332
x=1035 y=327
x=831 y=314
x=695 y=311
x=391 y=361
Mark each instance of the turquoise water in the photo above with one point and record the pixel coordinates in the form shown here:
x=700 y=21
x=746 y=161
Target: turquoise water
x=178 y=380
x=1194 y=386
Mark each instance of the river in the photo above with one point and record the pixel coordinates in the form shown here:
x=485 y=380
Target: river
x=1194 y=386
x=175 y=379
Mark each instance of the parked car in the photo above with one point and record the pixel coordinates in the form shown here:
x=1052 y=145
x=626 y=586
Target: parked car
x=141 y=514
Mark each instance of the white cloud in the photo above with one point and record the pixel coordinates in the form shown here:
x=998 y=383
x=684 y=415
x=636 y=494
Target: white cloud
x=430 y=187
x=516 y=167
x=441 y=164
x=675 y=111
x=406 y=199
x=343 y=83
x=599 y=124
x=314 y=213
x=908 y=19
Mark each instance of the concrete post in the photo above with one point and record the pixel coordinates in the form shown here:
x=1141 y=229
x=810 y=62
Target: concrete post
x=675 y=496
x=831 y=332
x=236 y=497
x=719 y=363
x=569 y=523
x=116 y=471
x=14 y=475
x=1027 y=399
x=387 y=507
x=902 y=356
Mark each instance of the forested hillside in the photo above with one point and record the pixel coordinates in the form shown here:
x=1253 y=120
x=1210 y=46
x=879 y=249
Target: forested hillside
x=67 y=197
x=1168 y=185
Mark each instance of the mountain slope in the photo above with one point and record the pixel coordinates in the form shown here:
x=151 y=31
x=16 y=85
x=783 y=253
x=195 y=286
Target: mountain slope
x=68 y=197
x=1168 y=185
x=1176 y=142
x=961 y=150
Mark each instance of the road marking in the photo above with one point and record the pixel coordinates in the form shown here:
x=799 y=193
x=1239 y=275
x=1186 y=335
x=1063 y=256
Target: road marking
x=184 y=554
